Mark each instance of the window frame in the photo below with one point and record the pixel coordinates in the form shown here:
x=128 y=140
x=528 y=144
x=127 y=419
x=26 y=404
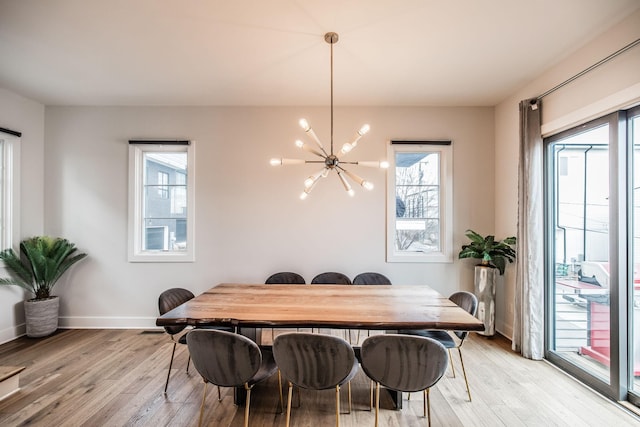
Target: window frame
x=444 y=149
x=10 y=143
x=136 y=228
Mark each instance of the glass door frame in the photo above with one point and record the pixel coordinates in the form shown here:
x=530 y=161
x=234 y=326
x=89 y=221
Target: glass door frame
x=621 y=271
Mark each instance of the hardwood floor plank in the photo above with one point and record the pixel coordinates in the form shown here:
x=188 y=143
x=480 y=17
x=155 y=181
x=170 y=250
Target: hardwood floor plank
x=116 y=378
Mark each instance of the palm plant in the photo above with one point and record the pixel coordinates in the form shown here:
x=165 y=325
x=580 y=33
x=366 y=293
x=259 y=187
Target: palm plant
x=42 y=261
x=492 y=252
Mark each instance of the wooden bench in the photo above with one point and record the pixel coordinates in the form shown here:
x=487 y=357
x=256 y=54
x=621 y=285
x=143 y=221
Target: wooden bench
x=9 y=380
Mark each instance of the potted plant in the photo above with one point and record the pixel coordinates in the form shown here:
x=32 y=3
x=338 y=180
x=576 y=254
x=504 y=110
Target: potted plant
x=494 y=255
x=41 y=263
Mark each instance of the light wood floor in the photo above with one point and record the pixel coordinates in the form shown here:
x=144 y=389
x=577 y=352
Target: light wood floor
x=116 y=378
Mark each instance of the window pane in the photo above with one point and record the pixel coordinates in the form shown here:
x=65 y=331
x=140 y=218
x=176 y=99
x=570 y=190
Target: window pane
x=581 y=249
x=634 y=316
x=165 y=201
x=417 y=202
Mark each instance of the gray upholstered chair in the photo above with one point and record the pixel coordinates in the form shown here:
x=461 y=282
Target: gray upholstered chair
x=285 y=278
x=468 y=302
x=404 y=363
x=315 y=362
x=226 y=359
x=331 y=278
x=371 y=278
x=167 y=301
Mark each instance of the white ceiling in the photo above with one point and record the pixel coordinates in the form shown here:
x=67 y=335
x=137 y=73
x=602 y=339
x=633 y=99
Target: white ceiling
x=272 y=52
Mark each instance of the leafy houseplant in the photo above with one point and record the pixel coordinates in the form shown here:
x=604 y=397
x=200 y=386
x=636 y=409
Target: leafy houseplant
x=492 y=252
x=41 y=263
x=494 y=255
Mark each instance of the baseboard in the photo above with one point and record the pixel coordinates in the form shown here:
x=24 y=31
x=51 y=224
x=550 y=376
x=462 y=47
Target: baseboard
x=95 y=322
x=10 y=334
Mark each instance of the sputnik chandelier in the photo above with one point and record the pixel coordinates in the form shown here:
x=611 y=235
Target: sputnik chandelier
x=330 y=160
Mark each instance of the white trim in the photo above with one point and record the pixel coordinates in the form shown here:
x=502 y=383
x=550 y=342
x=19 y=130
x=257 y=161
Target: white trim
x=10 y=192
x=445 y=255
x=136 y=195
x=622 y=99
x=13 y=332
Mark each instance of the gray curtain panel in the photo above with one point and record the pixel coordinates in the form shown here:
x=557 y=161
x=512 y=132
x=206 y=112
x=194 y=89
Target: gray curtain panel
x=528 y=319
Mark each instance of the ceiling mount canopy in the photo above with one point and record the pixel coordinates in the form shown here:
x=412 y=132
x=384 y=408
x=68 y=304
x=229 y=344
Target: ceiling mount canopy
x=330 y=160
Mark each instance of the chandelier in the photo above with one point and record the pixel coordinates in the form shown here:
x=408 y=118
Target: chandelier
x=330 y=160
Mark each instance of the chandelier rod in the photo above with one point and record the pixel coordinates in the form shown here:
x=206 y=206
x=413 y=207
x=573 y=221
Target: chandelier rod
x=331 y=38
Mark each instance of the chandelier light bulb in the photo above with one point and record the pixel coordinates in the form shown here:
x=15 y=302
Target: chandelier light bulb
x=304 y=125
x=275 y=162
x=367 y=185
x=304 y=195
x=384 y=164
x=364 y=129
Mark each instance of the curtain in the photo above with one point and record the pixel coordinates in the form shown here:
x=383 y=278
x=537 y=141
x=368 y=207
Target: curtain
x=528 y=319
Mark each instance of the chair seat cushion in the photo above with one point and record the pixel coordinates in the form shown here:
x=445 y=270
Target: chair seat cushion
x=442 y=336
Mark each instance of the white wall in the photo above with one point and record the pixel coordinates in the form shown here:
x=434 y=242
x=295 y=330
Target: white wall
x=23 y=115
x=612 y=86
x=249 y=220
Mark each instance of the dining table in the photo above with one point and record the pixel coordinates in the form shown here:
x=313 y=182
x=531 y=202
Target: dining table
x=249 y=308
x=379 y=307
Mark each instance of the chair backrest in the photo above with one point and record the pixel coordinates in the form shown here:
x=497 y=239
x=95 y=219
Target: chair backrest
x=331 y=278
x=170 y=299
x=223 y=358
x=314 y=361
x=371 y=278
x=285 y=278
x=406 y=363
x=468 y=302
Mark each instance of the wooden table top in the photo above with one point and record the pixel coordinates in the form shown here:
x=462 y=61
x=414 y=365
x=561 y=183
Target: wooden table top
x=329 y=306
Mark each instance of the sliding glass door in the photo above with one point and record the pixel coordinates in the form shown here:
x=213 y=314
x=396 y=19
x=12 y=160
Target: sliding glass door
x=592 y=187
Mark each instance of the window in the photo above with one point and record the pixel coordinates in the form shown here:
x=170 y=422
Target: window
x=9 y=187
x=419 y=202
x=161 y=201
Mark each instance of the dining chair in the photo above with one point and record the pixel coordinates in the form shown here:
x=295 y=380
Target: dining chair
x=315 y=362
x=371 y=278
x=331 y=278
x=404 y=363
x=227 y=359
x=167 y=301
x=285 y=278
x=468 y=302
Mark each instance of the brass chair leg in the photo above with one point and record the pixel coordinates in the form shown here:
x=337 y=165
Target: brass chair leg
x=280 y=390
x=337 y=406
x=377 y=402
x=428 y=399
x=424 y=403
x=204 y=396
x=246 y=405
x=173 y=352
x=370 y=395
x=453 y=370
x=289 y=397
x=464 y=373
x=349 y=393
